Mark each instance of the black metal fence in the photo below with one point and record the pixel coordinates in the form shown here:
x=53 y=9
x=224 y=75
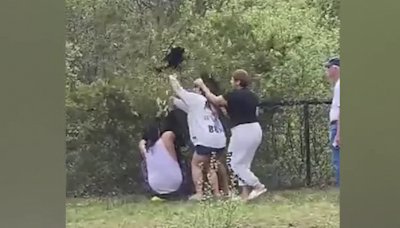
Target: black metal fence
x=295 y=144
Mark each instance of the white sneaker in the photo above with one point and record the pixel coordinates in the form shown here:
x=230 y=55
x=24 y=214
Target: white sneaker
x=196 y=197
x=256 y=192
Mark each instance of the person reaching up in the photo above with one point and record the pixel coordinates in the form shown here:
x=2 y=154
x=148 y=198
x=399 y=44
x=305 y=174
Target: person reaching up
x=205 y=129
x=241 y=105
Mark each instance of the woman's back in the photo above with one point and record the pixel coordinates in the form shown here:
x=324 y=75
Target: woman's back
x=205 y=128
x=164 y=173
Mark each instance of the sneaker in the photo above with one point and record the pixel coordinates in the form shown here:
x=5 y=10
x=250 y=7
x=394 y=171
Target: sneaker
x=196 y=197
x=157 y=199
x=256 y=192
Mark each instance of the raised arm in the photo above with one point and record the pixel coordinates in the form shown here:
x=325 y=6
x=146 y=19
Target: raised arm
x=183 y=94
x=176 y=86
x=216 y=100
x=180 y=104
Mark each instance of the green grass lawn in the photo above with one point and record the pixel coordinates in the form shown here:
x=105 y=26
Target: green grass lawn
x=303 y=209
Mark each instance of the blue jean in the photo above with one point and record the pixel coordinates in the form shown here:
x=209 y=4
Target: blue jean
x=335 y=153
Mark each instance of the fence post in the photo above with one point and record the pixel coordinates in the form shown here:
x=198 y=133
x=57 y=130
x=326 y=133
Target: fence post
x=307 y=142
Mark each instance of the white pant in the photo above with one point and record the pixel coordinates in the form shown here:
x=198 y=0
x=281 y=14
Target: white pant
x=242 y=147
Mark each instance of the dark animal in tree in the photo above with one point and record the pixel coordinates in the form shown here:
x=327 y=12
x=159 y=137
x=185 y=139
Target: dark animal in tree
x=174 y=58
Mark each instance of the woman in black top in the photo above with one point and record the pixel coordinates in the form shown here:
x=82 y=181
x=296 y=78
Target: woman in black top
x=241 y=106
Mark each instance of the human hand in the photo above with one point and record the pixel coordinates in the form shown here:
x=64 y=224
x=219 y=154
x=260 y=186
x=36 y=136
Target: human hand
x=173 y=76
x=224 y=111
x=336 y=141
x=198 y=82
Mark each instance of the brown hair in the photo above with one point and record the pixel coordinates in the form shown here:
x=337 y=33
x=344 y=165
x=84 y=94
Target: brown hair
x=242 y=76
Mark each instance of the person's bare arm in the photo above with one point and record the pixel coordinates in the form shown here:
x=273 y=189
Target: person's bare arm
x=142 y=147
x=168 y=139
x=216 y=100
x=224 y=111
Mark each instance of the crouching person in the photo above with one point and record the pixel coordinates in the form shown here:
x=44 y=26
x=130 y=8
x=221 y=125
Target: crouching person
x=164 y=174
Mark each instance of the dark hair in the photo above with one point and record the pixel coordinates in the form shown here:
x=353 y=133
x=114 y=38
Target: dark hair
x=176 y=121
x=214 y=109
x=208 y=104
x=242 y=76
x=213 y=86
x=211 y=83
x=151 y=134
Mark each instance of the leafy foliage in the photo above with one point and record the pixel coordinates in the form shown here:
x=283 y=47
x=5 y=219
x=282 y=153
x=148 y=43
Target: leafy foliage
x=112 y=87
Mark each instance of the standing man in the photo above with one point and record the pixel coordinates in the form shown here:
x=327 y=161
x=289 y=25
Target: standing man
x=241 y=106
x=332 y=70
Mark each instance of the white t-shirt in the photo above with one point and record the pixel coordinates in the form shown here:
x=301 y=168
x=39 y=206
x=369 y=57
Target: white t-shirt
x=204 y=128
x=335 y=106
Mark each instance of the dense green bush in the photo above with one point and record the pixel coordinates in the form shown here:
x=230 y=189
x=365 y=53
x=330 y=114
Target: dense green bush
x=113 y=48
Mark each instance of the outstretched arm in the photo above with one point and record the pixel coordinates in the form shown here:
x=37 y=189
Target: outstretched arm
x=180 y=104
x=176 y=86
x=183 y=94
x=216 y=100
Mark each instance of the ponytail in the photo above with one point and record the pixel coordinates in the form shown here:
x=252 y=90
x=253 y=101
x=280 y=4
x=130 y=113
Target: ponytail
x=151 y=135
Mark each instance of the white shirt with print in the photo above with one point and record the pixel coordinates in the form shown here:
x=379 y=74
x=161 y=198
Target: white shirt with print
x=204 y=128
